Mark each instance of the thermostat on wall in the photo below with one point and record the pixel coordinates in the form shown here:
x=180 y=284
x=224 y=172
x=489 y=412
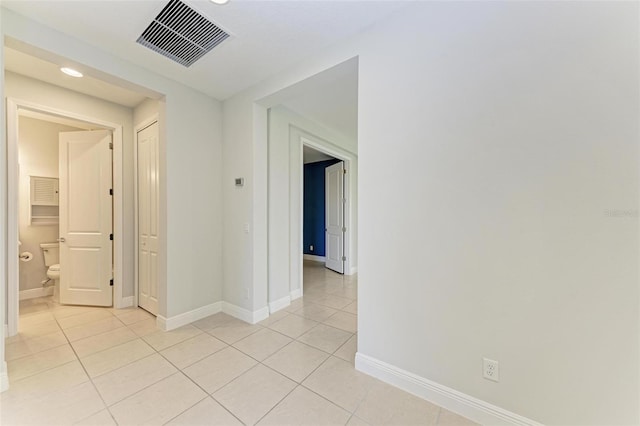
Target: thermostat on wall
x=239 y=181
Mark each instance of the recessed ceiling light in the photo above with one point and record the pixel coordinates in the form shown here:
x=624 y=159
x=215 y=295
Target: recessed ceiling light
x=71 y=72
x=220 y=1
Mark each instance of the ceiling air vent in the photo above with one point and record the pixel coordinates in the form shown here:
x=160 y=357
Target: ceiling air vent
x=182 y=34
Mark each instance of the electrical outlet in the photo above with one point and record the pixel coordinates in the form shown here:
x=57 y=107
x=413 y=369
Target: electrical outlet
x=490 y=369
x=310 y=248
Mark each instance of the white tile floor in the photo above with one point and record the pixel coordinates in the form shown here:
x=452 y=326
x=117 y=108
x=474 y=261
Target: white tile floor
x=100 y=366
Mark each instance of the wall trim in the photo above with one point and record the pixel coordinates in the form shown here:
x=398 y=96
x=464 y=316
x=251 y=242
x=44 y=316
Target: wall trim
x=451 y=399
x=275 y=306
x=314 y=257
x=126 y=302
x=171 y=323
x=296 y=294
x=33 y=293
x=354 y=270
x=4 y=377
x=245 y=315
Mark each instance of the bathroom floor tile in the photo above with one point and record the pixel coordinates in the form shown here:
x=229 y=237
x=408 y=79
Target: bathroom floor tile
x=344 y=321
x=144 y=328
x=231 y=332
x=101 y=418
x=99 y=342
x=447 y=418
x=123 y=382
x=158 y=403
x=163 y=339
x=262 y=343
x=118 y=356
x=325 y=338
x=315 y=312
x=206 y=412
x=93 y=328
x=218 y=369
x=293 y=326
x=84 y=318
x=192 y=350
x=131 y=316
x=296 y=360
x=340 y=383
x=214 y=321
x=27 y=347
x=253 y=394
x=33 y=364
x=303 y=407
x=348 y=350
x=388 y=405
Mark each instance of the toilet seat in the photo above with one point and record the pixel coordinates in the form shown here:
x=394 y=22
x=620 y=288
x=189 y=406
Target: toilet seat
x=54 y=268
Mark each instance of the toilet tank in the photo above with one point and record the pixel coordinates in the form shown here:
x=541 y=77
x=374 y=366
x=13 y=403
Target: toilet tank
x=51 y=253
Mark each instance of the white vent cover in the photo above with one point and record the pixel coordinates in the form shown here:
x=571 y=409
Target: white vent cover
x=181 y=34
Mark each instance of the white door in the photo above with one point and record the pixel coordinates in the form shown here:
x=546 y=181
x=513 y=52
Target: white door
x=148 y=187
x=334 y=217
x=86 y=253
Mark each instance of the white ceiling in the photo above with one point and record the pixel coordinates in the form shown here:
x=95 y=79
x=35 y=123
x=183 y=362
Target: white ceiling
x=267 y=36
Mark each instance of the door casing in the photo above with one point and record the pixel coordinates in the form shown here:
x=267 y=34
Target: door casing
x=14 y=106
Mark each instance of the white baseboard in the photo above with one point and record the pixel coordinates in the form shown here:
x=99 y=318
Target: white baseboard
x=245 y=315
x=4 y=377
x=35 y=292
x=126 y=302
x=176 y=321
x=354 y=270
x=279 y=304
x=296 y=294
x=451 y=399
x=314 y=257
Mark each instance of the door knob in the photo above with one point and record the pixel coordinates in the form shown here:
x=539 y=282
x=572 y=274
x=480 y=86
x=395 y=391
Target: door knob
x=61 y=239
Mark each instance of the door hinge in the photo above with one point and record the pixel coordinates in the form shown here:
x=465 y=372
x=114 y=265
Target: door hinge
x=344 y=171
x=344 y=229
x=344 y=258
x=111 y=237
x=111 y=282
x=110 y=145
x=111 y=191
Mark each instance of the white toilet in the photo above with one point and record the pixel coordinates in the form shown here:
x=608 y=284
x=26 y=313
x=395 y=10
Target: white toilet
x=51 y=253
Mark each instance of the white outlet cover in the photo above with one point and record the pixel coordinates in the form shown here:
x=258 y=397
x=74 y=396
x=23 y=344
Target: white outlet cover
x=491 y=369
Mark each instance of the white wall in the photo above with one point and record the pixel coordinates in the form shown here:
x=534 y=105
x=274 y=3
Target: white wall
x=498 y=144
x=37 y=156
x=191 y=167
x=4 y=378
x=285 y=220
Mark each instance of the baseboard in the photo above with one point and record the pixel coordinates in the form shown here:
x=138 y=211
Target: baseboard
x=451 y=399
x=126 y=302
x=279 y=304
x=35 y=292
x=354 y=270
x=177 y=321
x=296 y=294
x=6 y=331
x=314 y=257
x=245 y=315
x=4 y=377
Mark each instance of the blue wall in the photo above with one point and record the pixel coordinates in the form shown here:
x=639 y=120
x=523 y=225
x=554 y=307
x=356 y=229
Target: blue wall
x=314 y=209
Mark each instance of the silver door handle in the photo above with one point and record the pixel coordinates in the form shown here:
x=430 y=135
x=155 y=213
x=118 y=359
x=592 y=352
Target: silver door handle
x=61 y=239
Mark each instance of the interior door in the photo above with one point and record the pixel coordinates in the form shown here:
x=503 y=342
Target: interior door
x=148 y=188
x=334 y=217
x=85 y=168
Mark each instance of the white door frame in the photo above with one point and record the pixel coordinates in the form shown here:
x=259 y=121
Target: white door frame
x=13 y=109
x=319 y=144
x=138 y=127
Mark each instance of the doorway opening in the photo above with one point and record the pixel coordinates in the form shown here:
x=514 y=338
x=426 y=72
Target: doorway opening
x=39 y=221
x=323 y=209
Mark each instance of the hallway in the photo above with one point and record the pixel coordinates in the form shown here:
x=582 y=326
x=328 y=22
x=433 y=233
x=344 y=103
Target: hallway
x=81 y=365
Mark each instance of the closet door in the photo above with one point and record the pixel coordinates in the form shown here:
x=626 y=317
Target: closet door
x=148 y=188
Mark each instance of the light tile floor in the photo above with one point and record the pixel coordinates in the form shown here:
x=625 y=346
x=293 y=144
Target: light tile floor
x=103 y=366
